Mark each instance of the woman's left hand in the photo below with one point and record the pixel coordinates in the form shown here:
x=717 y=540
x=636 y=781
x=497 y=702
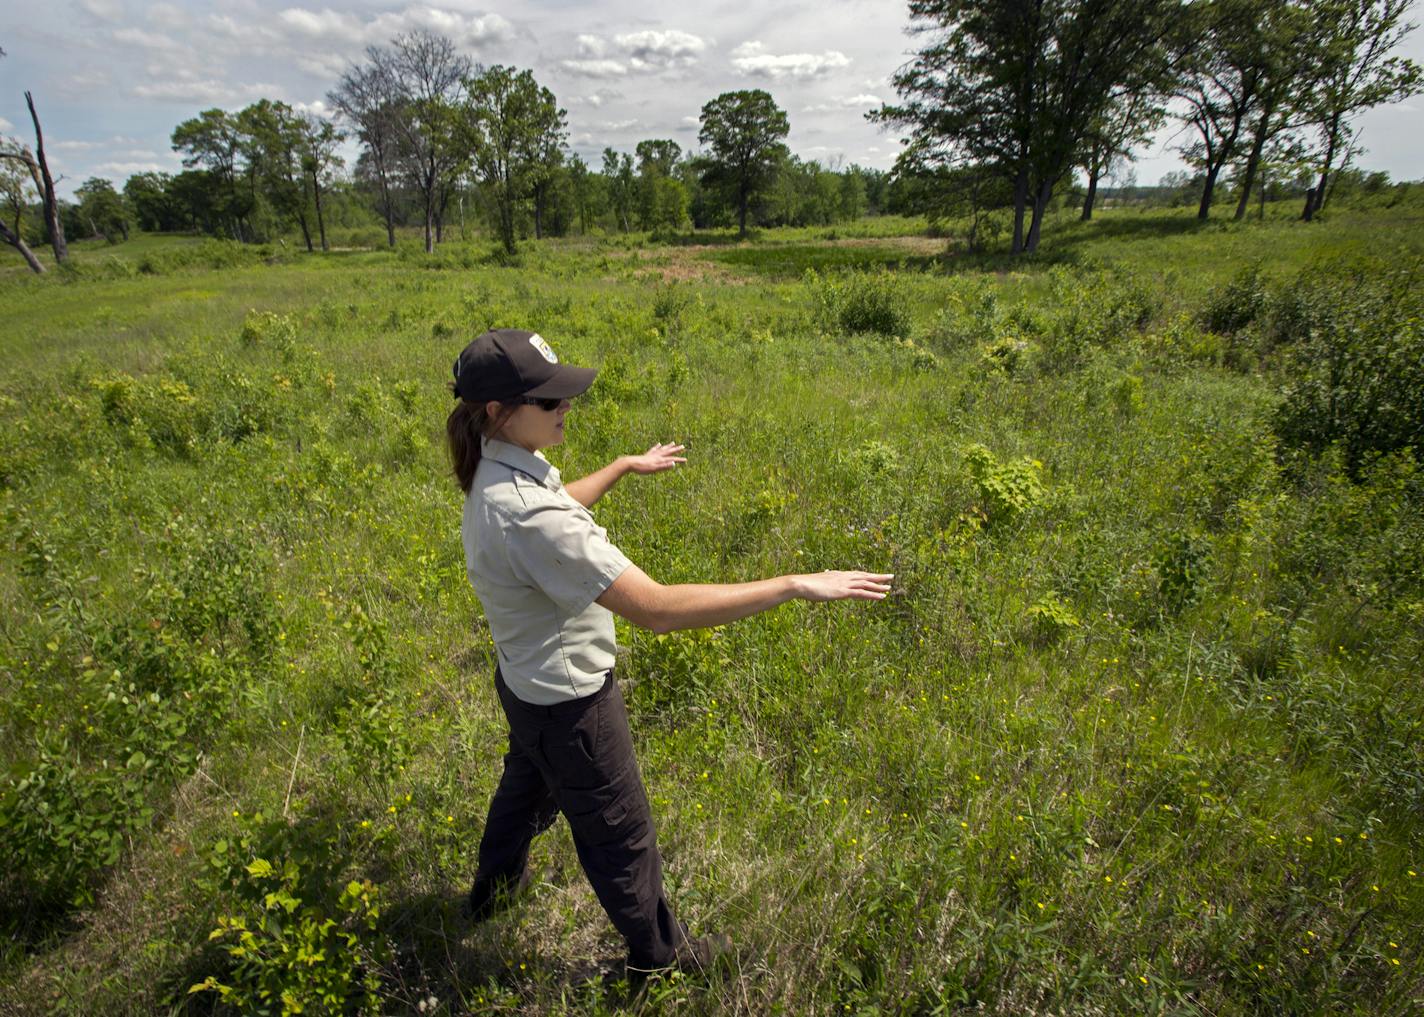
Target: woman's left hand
x=656 y=459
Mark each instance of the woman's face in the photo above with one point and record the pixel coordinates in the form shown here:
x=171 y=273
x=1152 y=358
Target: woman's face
x=533 y=428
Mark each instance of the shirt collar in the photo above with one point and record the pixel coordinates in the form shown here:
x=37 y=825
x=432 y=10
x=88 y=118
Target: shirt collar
x=533 y=464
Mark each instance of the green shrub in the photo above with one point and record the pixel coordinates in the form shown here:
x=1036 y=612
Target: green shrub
x=299 y=936
x=856 y=302
x=148 y=689
x=1006 y=490
x=158 y=411
x=1052 y=617
x=1356 y=373
x=1089 y=311
x=1180 y=565
x=1236 y=304
x=269 y=329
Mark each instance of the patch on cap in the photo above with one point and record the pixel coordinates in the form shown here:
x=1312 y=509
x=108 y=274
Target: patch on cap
x=537 y=341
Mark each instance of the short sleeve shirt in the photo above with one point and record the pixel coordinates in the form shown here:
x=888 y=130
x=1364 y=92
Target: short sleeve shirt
x=538 y=561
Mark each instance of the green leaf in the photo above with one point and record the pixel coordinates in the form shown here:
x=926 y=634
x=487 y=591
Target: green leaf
x=260 y=868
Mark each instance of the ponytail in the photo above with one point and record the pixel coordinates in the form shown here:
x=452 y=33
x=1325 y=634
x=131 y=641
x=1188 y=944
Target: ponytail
x=466 y=426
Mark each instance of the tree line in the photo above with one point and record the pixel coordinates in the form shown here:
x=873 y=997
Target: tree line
x=442 y=139
x=1008 y=99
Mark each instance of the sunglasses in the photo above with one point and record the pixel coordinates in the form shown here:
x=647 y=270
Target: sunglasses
x=547 y=405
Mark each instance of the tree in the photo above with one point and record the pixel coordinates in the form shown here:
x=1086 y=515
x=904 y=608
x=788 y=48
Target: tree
x=661 y=197
x=1227 y=73
x=424 y=80
x=1288 y=63
x=154 y=207
x=744 y=132
x=1354 y=39
x=213 y=140
x=1018 y=86
x=584 y=191
x=319 y=139
x=102 y=208
x=38 y=166
x=618 y=175
x=272 y=139
x=365 y=98
x=514 y=130
x=1129 y=121
x=15 y=192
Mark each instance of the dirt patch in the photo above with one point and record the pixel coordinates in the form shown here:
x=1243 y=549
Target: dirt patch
x=915 y=245
x=681 y=264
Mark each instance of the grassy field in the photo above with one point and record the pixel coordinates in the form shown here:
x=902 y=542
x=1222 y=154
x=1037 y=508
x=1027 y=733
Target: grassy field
x=1140 y=729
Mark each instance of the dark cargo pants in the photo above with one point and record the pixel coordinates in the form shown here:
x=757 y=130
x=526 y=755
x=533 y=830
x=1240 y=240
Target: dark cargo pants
x=577 y=758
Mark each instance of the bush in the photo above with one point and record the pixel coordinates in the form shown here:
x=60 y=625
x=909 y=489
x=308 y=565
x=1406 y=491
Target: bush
x=148 y=690
x=1093 y=311
x=1235 y=305
x=1006 y=490
x=269 y=329
x=209 y=254
x=857 y=302
x=1356 y=369
x=299 y=936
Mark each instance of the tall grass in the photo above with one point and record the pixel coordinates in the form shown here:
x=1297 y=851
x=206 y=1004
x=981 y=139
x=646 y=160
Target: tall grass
x=1136 y=732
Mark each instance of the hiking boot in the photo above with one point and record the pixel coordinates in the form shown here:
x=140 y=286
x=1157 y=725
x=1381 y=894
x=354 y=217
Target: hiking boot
x=488 y=897
x=699 y=955
x=702 y=954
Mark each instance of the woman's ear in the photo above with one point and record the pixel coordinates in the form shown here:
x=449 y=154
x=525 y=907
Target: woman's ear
x=492 y=409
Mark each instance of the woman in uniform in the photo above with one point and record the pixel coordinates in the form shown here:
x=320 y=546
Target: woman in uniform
x=548 y=578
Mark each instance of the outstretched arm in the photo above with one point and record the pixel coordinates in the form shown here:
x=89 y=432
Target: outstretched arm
x=587 y=490
x=651 y=605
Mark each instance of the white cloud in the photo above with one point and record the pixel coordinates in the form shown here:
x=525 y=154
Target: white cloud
x=652 y=50
x=692 y=121
x=597 y=99
x=646 y=52
x=229 y=27
x=128 y=169
x=617 y=125
x=77 y=146
x=325 y=24
x=205 y=91
x=595 y=68
x=85 y=83
x=105 y=10
x=591 y=46
x=349 y=29
x=328 y=66
x=319 y=108
x=842 y=103
x=5 y=125
x=749 y=59
x=147 y=40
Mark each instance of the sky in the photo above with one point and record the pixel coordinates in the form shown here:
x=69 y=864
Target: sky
x=112 y=78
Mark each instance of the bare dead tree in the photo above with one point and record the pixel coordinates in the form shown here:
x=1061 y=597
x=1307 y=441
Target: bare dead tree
x=426 y=77
x=44 y=183
x=365 y=98
x=13 y=238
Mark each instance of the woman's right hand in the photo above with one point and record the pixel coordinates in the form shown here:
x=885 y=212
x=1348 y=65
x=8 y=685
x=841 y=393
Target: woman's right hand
x=833 y=585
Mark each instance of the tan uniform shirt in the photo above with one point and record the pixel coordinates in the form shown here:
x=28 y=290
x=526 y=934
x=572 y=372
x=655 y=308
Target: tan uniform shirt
x=537 y=561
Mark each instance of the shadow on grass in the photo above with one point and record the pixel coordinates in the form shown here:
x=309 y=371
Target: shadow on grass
x=437 y=951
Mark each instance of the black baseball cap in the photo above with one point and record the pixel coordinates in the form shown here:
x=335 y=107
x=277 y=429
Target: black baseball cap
x=508 y=362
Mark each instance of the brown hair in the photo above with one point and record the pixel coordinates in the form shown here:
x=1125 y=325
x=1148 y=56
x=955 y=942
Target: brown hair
x=467 y=424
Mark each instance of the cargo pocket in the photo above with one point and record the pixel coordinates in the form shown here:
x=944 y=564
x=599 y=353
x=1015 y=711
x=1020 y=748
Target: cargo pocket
x=617 y=821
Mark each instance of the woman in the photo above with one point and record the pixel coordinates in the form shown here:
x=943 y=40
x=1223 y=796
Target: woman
x=548 y=577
